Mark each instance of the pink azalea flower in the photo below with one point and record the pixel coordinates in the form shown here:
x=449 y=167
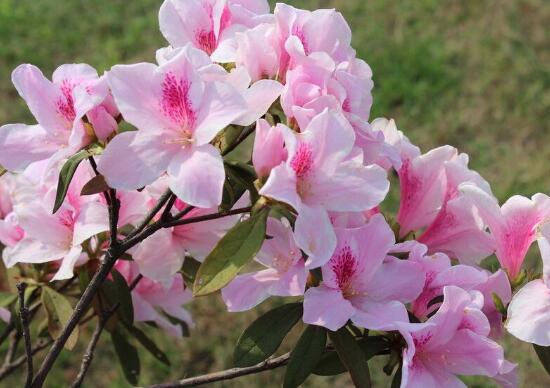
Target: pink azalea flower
x=529 y=311
x=513 y=226
x=304 y=34
x=452 y=342
x=285 y=274
x=58 y=106
x=268 y=151
x=155 y=302
x=439 y=273
x=58 y=237
x=316 y=85
x=258 y=95
x=177 y=114
x=361 y=284
x=458 y=230
x=319 y=176
x=213 y=25
x=371 y=139
x=422 y=185
x=258 y=51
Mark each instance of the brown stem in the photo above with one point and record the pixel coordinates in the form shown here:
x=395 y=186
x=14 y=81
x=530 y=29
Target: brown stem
x=207 y=217
x=24 y=313
x=112 y=255
x=152 y=213
x=228 y=374
x=90 y=349
x=10 y=367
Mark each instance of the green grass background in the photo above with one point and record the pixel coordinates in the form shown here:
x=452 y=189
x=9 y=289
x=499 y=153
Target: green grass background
x=473 y=74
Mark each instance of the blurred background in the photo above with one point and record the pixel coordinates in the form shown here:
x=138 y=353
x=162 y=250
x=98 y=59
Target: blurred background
x=473 y=74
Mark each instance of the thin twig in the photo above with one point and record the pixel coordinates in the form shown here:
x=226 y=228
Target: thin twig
x=12 y=348
x=112 y=255
x=168 y=208
x=207 y=217
x=152 y=213
x=184 y=212
x=24 y=313
x=89 y=354
x=8 y=368
x=242 y=137
x=228 y=374
x=113 y=218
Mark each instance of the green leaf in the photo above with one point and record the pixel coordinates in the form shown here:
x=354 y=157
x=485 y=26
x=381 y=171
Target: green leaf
x=2 y=171
x=7 y=298
x=59 y=311
x=83 y=279
x=148 y=344
x=66 y=175
x=229 y=136
x=543 y=353
x=189 y=270
x=396 y=382
x=305 y=356
x=330 y=363
x=95 y=185
x=127 y=356
x=240 y=177
x=352 y=357
x=235 y=250
x=264 y=336
x=124 y=297
x=499 y=305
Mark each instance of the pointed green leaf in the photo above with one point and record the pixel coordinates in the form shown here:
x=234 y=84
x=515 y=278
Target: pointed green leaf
x=240 y=177
x=59 y=311
x=264 y=336
x=352 y=357
x=7 y=298
x=124 y=297
x=189 y=270
x=499 y=305
x=66 y=175
x=305 y=356
x=148 y=344
x=127 y=356
x=235 y=250
x=396 y=382
x=543 y=353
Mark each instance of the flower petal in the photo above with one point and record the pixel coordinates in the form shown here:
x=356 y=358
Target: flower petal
x=197 y=176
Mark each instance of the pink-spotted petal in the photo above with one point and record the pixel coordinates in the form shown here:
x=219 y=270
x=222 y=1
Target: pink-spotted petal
x=42 y=98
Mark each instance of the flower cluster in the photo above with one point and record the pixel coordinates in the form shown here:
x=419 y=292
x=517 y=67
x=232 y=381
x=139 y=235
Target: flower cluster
x=317 y=164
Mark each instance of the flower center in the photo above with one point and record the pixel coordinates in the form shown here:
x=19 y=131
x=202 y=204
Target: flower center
x=344 y=267
x=176 y=103
x=65 y=103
